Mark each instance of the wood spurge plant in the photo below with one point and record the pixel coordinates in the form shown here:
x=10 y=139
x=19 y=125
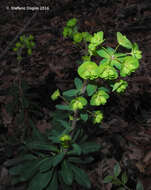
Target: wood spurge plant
x=54 y=160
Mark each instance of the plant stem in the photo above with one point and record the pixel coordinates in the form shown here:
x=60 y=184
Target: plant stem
x=75 y=117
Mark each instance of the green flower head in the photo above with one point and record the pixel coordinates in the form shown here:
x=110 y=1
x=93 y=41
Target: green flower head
x=99 y=98
x=129 y=65
x=67 y=32
x=97 y=39
x=86 y=36
x=98 y=117
x=72 y=22
x=55 y=95
x=65 y=137
x=107 y=72
x=77 y=37
x=65 y=141
x=120 y=86
x=78 y=103
x=88 y=70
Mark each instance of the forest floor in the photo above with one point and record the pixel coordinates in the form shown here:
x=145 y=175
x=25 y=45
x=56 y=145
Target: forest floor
x=126 y=137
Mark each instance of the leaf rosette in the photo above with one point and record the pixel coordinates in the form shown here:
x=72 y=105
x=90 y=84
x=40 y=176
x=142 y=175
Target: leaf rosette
x=99 y=98
x=88 y=70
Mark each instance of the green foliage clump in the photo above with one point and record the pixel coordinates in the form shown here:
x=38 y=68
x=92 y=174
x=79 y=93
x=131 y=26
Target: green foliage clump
x=54 y=160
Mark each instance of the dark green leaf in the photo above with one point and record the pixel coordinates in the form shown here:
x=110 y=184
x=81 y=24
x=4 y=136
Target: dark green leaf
x=116 y=181
x=75 y=151
x=53 y=185
x=58 y=158
x=139 y=186
x=41 y=146
x=63 y=107
x=76 y=135
x=89 y=147
x=84 y=117
x=80 y=176
x=46 y=165
x=64 y=123
x=108 y=179
x=78 y=83
x=31 y=170
x=81 y=161
x=40 y=181
x=66 y=173
x=72 y=92
x=124 y=178
x=117 y=170
x=91 y=89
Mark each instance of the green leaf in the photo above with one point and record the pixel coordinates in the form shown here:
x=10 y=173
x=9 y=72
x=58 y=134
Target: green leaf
x=103 y=53
x=64 y=123
x=89 y=147
x=53 y=185
x=40 y=181
x=116 y=64
x=91 y=89
x=104 y=89
x=108 y=179
x=117 y=170
x=124 y=178
x=123 y=41
x=80 y=176
x=75 y=151
x=58 y=158
x=81 y=161
x=30 y=170
x=41 y=146
x=66 y=173
x=84 y=117
x=70 y=93
x=139 y=186
x=63 y=107
x=78 y=83
x=46 y=165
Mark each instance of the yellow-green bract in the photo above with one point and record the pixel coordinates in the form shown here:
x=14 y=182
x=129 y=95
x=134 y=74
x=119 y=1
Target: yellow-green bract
x=88 y=70
x=120 y=86
x=107 y=72
x=129 y=65
x=72 y=22
x=55 y=95
x=99 y=98
x=78 y=103
x=98 y=117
